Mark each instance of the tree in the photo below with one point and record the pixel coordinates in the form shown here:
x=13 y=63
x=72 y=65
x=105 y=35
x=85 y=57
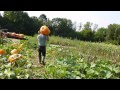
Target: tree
x=113 y=33
x=63 y=27
x=87 y=26
x=100 y=34
x=87 y=35
x=49 y=24
x=80 y=26
x=43 y=18
x=1 y=21
x=112 y=28
x=19 y=22
x=95 y=27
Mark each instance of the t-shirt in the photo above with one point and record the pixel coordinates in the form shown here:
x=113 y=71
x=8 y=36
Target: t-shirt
x=42 y=39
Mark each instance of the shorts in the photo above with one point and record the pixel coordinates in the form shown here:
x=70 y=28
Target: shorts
x=42 y=50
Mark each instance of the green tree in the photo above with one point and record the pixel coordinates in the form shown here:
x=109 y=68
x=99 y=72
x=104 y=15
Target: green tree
x=43 y=18
x=95 y=27
x=87 y=35
x=80 y=26
x=20 y=22
x=63 y=27
x=88 y=26
x=1 y=21
x=100 y=34
x=113 y=33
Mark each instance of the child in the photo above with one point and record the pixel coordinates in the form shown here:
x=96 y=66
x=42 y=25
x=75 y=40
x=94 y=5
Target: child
x=42 y=47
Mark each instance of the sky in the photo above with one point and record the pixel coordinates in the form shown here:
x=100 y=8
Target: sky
x=101 y=18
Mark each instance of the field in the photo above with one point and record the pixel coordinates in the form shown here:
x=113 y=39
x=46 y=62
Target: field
x=65 y=59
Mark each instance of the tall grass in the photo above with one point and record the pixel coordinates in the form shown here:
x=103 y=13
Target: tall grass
x=88 y=49
x=102 y=50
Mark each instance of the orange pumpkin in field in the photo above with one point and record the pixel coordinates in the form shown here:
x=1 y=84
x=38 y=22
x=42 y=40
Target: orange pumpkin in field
x=11 y=59
x=17 y=35
x=44 y=30
x=14 y=51
x=2 y=51
x=14 y=57
x=21 y=35
x=13 y=34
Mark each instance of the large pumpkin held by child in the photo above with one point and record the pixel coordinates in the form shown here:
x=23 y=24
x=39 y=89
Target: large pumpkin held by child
x=44 y=30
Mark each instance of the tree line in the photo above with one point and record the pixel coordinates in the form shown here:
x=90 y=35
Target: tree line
x=21 y=22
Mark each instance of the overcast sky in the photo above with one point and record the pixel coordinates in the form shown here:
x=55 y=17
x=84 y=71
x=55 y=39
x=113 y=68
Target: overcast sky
x=102 y=18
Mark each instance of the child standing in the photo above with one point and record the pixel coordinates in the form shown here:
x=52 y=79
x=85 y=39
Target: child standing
x=42 y=47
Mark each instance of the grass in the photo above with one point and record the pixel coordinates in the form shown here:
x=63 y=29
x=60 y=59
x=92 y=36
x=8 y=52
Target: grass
x=72 y=59
x=66 y=58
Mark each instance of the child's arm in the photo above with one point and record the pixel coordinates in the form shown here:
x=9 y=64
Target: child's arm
x=47 y=38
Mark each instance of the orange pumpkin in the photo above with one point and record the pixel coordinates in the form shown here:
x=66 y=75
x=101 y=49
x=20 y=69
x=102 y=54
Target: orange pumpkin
x=44 y=30
x=11 y=59
x=14 y=57
x=14 y=51
x=2 y=51
x=17 y=35
x=13 y=34
x=21 y=35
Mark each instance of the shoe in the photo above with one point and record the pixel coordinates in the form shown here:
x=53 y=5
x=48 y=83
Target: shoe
x=39 y=62
x=43 y=62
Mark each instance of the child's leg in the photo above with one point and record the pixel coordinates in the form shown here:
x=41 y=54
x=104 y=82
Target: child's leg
x=39 y=55
x=44 y=55
x=43 y=60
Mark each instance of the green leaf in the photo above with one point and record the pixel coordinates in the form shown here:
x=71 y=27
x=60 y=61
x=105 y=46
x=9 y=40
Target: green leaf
x=92 y=65
x=108 y=75
x=27 y=76
x=90 y=71
x=9 y=73
x=29 y=65
x=8 y=65
x=82 y=75
x=77 y=77
x=1 y=74
x=116 y=70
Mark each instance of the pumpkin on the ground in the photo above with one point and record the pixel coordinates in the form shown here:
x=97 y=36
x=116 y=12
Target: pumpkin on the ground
x=21 y=35
x=17 y=35
x=14 y=57
x=2 y=51
x=14 y=51
x=44 y=30
x=13 y=34
x=11 y=59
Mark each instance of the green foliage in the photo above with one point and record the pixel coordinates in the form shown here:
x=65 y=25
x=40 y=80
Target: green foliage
x=87 y=35
x=65 y=59
x=61 y=26
x=69 y=63
x=100 y=34
x=20 y=22
x=87 y=26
